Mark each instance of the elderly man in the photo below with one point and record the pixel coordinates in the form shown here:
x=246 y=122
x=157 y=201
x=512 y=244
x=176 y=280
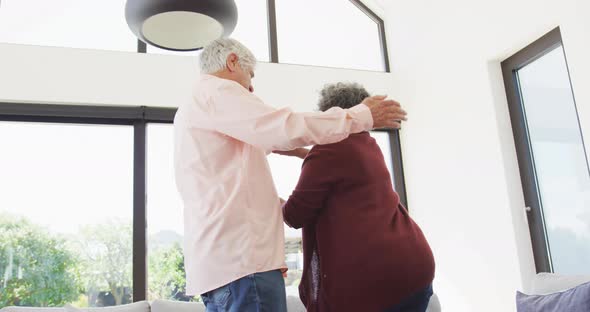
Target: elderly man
x=234 y=241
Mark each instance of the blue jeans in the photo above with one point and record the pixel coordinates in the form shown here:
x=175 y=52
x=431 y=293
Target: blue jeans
x=259 y=292
x=417 y=302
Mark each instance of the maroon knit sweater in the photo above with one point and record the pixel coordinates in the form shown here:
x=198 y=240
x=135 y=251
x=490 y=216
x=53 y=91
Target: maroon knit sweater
x=361 y=249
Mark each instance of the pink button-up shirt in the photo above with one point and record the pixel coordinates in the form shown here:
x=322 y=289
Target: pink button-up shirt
x=233 y=221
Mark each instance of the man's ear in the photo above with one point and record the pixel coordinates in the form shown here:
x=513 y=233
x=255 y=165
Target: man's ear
x=232 y=62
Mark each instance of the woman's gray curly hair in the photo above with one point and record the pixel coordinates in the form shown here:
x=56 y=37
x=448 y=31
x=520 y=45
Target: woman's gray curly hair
x=341 y=94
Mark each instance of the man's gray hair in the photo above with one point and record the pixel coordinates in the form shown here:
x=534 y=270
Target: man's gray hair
x=341 y=94
x=214 y=56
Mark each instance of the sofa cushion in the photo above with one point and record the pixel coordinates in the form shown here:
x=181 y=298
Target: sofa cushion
x=140 y=306
x=576 y=299
x=176 y=306
x=293 y=305
x=548 y=283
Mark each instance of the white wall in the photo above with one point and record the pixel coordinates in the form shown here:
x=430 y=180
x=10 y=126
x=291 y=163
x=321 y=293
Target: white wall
x=460 y=161
x=77 y=76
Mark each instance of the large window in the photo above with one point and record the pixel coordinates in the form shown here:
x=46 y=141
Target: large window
x=67 y=23
x=73 y=220
x=333 y=33
x=65 y=214
x=552 y=156
x=166 y=276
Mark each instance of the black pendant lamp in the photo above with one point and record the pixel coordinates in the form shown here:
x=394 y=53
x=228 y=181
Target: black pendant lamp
x=181 y=25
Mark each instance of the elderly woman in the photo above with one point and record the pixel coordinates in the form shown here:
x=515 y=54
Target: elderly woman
x=362 y=251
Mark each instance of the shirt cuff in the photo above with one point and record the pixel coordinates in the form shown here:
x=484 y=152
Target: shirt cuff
x=361 y=114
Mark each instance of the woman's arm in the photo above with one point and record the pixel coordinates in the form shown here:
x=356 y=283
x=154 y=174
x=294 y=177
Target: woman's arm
x=298 y=152
x=318 y=176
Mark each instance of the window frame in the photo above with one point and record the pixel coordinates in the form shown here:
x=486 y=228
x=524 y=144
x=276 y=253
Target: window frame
x=525 y=156
x=139 y=117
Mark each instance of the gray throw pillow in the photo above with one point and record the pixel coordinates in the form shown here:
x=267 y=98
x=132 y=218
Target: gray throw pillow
x=573 y=300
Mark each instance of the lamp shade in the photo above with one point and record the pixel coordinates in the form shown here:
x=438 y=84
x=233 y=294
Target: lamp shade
x=181 y=25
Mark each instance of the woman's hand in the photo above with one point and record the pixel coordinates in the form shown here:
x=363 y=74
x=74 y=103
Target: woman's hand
x=298 y=152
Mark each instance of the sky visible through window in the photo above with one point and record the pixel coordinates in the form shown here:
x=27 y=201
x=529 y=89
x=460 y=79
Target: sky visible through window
x=560 y=161
x=86 y=24
x=333 y=33
x=62 y=176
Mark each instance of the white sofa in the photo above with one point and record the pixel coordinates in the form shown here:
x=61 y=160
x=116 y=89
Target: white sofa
x=293 y=305
x=141 y=306
x=547 y=290
x=548 y=283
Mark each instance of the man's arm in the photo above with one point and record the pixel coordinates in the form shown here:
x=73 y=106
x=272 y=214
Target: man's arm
x=242 y=115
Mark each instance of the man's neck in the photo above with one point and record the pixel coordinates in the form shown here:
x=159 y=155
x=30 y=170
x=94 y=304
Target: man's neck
x=223 y=74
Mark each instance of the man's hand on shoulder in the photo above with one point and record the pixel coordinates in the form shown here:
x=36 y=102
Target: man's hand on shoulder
x=386 y=113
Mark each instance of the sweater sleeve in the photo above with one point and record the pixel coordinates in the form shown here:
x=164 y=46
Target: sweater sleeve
x=319 y=175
